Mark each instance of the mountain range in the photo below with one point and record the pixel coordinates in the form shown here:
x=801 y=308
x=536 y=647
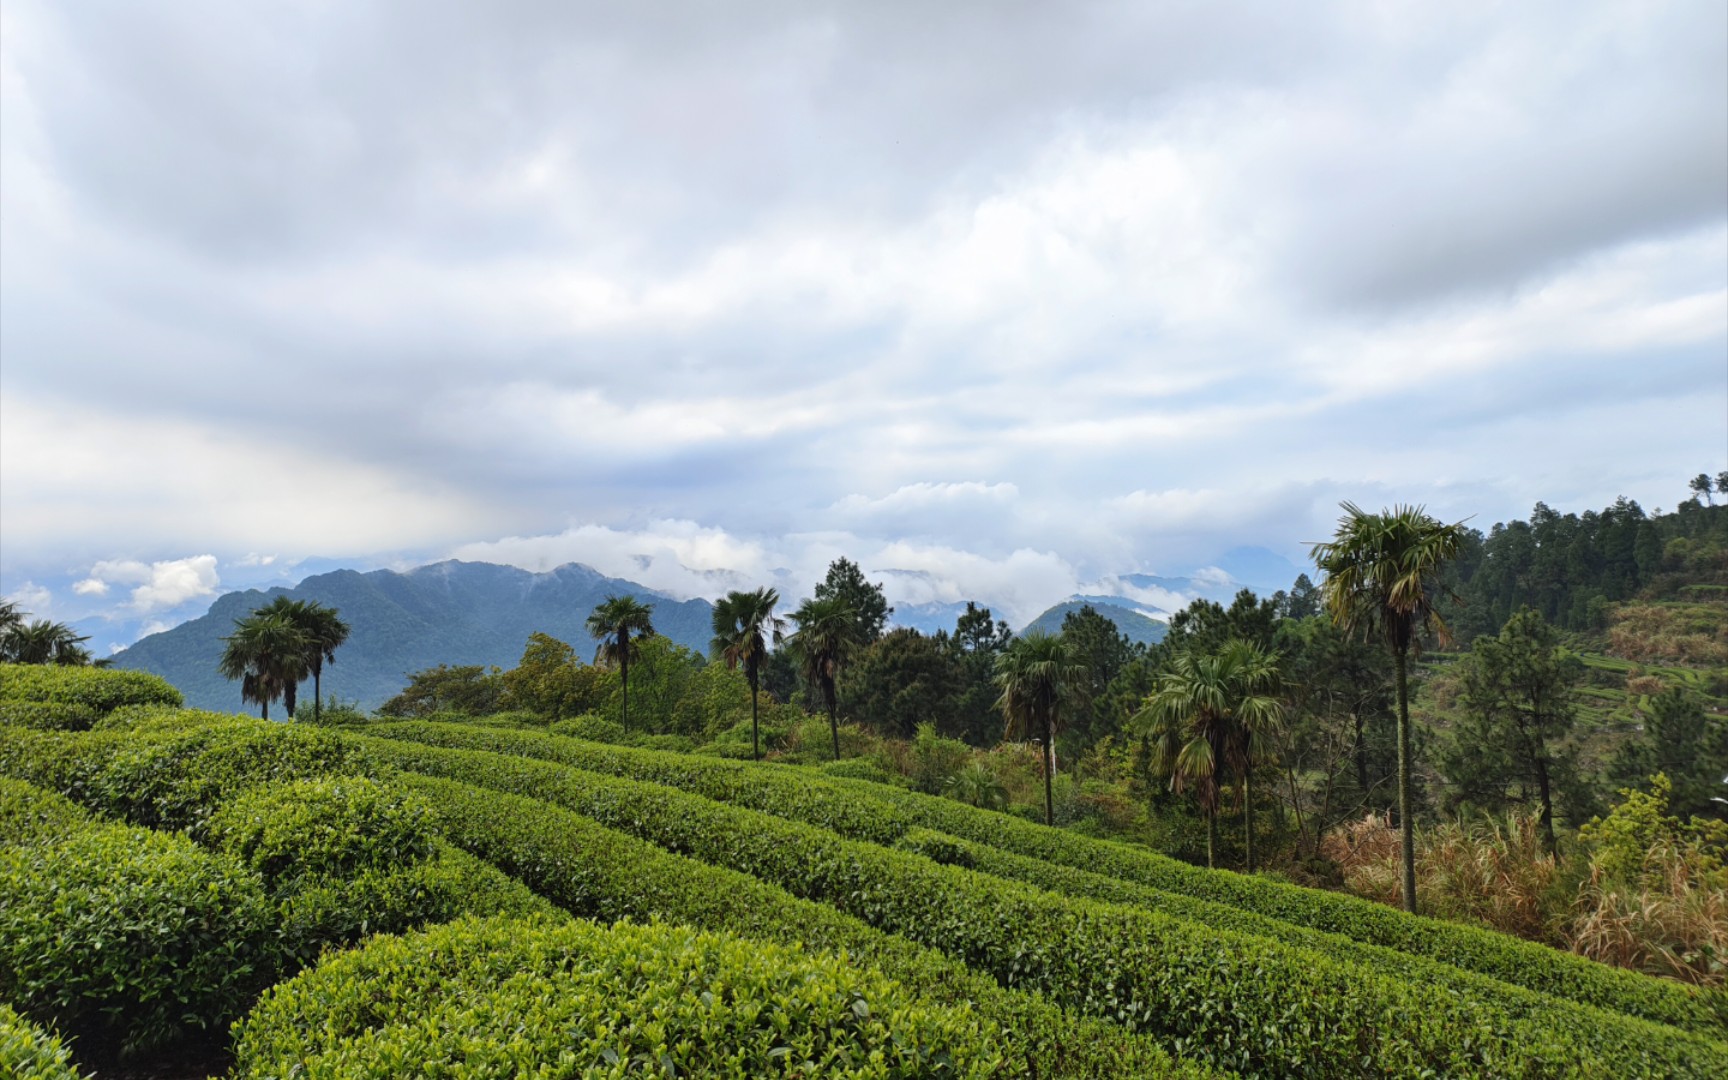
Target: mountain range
x=481 y=613
x=402 y=622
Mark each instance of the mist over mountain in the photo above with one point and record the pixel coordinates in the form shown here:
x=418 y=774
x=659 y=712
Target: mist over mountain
x=445 y=613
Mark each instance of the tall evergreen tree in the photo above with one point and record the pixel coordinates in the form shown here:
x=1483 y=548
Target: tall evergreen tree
x=267 y=653
x=1381 y=574
x=1518 y=700
x=325 y=633
x=869 y=605
x=744 y=626
x=1212 y=712
x=1041 y=685
x=613 y=623
x=827 y=638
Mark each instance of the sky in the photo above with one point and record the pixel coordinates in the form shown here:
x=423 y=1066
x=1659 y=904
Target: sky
x=999 y=300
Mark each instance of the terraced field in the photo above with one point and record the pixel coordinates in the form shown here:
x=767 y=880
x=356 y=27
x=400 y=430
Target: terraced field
x=563 y=908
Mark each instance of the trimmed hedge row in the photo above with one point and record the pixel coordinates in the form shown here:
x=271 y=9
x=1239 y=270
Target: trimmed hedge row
x=865 y=811
x=348 y=856
x=174 y=776
x=341 y=857
x=1219 y=993
x=29 y=1053
x=98 y=689
x=47 y=715
x=507 y=997
x=126 y=937
x=590 y=870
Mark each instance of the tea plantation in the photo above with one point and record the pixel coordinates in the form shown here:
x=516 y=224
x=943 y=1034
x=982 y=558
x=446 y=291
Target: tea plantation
x=213 y=894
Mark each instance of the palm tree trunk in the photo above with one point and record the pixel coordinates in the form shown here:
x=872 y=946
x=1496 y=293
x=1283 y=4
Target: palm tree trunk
x=1049 y=772
x=755 y=744
x=833 y=714
x=264 y=709
x=1248 y=813
x=624 y=676
x=317 y=690
x=1406 y=820
x=1212 y=840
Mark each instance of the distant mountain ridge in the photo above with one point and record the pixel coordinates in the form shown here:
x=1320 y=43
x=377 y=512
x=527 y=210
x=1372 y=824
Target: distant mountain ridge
x=443 y=613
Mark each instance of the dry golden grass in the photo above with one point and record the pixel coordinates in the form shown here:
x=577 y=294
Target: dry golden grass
x=1669 y=919
x=1694 y=634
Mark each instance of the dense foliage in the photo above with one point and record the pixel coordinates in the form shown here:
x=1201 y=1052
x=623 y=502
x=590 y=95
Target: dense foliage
x=505 y=998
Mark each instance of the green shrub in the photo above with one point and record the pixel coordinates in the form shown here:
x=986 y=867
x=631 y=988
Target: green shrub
x=590 y=727
x=99 y=689
x=175 y=779
x=136 y=717
x=129 y=938
x=590 y=870
x=323 y=827
x=863 y=769
x=349 y=856
x=881 y=815
x=29 y=1053
x=31 y=815
x=1210 y=992
x=518 y=720
x=339 y=911
x=507 y=997
x=47 y=715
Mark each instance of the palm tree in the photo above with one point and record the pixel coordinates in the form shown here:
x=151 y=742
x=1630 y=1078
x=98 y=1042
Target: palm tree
x=825 y=641
x=42 y=642
x=1211 y=712
x=267 y=653
x=1040 y=683
x=740 y=619
x=612 y=623
x=1381 y=572
x=325 y=633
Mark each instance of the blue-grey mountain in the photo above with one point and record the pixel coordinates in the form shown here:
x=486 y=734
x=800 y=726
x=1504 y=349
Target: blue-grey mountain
x=446 y=613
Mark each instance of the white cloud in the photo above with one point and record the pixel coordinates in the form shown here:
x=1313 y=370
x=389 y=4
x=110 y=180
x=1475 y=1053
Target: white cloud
x=254 y=559
x=173 y=583
x=32 y=598
x=158 y=585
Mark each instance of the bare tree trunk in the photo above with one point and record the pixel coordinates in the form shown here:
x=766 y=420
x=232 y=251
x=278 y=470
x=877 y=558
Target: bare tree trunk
x=1049 y=772
x=1248 y=813
x=755 y=741
x=1406 y=819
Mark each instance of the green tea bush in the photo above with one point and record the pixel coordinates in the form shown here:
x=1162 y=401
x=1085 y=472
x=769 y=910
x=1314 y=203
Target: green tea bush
x=139 y=717
x=878 y=814
x=863 y=769
x=590 y=870
x=339 y=911
x=175 y=779
x=349 y=856
x=47 y=715
x=31 y=815
x=29 y=1053
x=1211 y=992
x=129 y=938
x=98 y=689
x=323 y=827
x=506 y=998
x=590 y=727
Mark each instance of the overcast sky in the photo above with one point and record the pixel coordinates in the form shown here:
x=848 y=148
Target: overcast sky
x=1015 y=296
